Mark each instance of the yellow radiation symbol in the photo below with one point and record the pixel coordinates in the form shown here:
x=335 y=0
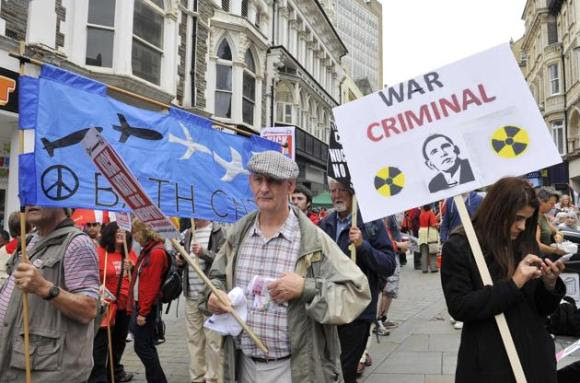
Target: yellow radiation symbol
x=510 y=141
x=389 y=181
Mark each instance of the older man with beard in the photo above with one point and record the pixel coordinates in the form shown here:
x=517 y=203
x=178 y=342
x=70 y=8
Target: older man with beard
x=375 y=258
x=62 y=281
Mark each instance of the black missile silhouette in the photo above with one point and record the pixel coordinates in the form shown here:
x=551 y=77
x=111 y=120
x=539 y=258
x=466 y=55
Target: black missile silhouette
x=63 y=142
x=127 y=131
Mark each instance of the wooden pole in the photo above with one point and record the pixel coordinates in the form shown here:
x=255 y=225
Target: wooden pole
x=24 y=257
x=206 y=280
x=354 y=218
x=486 y=279
x=195 y=258
x=110 y=347
x=126 y=254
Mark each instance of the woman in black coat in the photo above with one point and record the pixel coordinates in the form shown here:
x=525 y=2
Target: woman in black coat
x=526 y=289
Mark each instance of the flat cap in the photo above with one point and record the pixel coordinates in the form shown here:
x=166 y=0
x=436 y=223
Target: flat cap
x=274 y=165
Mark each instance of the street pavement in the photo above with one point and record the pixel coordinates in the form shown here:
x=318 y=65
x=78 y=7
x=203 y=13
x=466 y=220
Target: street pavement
x=422 y=349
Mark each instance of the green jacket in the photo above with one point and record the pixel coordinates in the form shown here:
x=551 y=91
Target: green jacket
x=335 y=292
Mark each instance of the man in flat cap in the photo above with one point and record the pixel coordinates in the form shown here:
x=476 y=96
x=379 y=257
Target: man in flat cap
x=310 y=286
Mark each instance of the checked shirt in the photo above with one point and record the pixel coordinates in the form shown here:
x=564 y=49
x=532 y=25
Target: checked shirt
x=267 y=258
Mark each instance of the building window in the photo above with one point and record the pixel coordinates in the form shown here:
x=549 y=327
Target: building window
x=284 y=104
x=554 y=79
x=552 y=32
x=558 y=134
x=100 y=33
x=148 y=20
x=249 y=89
x=226 y=5
x=244 y=8
x=223 y=93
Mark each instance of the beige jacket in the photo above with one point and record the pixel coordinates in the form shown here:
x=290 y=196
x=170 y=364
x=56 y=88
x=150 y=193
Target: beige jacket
x=335 y=292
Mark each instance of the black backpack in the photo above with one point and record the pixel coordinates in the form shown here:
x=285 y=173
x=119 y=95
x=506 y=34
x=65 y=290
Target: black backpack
x=171 y=287
x=566 y=319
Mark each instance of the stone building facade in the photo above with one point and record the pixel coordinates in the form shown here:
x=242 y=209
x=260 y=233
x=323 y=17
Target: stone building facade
x=549 y=56
x=154 y=48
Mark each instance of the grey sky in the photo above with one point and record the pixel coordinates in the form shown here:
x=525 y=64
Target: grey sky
x=420 y=35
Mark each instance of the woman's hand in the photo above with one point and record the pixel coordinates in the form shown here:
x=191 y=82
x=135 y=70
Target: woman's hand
x=530 y=267
x=551 y=271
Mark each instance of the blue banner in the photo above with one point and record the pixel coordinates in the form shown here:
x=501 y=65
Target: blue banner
x=187 y=168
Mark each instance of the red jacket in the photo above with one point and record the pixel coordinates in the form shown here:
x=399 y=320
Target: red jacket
x=151 y=266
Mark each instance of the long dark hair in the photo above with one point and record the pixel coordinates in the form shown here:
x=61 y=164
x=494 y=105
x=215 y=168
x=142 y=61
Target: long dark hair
x=108 y=234
x=495 y=217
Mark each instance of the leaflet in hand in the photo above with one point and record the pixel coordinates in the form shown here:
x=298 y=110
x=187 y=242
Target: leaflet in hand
x=258 y=288
x=226 y=324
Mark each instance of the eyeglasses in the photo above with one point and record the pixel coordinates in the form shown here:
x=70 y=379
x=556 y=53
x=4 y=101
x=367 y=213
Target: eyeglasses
x=93 y=224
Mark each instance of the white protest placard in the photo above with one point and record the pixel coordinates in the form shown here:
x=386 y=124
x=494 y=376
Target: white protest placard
x=449 y=131
x=123 y=220
x=283 y=135
x=124 y=183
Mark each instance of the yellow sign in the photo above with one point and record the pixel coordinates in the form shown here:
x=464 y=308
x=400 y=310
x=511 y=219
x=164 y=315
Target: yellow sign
x=510 y=141
x=389 y=181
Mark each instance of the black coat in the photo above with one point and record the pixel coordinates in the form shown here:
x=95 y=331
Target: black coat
x=375 y=257
x=482 y=356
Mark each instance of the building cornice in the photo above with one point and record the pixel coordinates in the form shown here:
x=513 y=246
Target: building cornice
x=304 y=75
x=313 y=8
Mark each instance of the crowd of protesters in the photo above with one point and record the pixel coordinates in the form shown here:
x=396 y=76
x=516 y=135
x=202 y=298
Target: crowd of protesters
x=331 y=282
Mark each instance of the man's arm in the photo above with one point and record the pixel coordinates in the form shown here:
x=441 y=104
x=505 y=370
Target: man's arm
x=444 y=229
x=340 y=291
x=76 y=306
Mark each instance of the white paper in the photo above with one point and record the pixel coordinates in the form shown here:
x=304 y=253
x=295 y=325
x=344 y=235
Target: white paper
x=226 y=324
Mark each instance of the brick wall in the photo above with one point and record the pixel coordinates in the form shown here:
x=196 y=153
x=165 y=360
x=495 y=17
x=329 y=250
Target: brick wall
x=15 y=13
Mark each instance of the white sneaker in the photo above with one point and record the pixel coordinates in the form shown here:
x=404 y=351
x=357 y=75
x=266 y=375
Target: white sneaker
x=458 y=325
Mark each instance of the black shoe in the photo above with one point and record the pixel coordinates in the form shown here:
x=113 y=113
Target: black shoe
x=403 y=259
x=124 y=377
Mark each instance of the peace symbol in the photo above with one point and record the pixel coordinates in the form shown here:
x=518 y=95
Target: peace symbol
x=65 y=186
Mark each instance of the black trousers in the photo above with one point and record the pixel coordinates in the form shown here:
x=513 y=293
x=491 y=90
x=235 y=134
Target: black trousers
x=119 y=339
x=144 y=343
x=100 y=354
x=100 y=372
x=353 y=340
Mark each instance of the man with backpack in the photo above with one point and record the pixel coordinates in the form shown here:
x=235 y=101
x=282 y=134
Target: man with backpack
x=203 y=243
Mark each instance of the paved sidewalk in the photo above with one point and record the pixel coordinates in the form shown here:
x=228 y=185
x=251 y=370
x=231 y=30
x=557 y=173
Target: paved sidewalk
x=422 y=349
x=424 y=346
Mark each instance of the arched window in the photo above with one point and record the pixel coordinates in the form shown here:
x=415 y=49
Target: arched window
x=147 y=52
x=249 y=89
x=284 y=103
x=223 y=87
x=100 y=33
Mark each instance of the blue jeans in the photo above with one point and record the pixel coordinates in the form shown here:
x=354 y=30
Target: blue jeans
x=144 y=343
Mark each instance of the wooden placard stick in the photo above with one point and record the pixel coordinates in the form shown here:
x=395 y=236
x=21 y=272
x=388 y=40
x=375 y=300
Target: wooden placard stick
x=126 y=254
x=110 y=347
x=206 y=280
x=486 y=279
x=195 y=258
x=354 y=218
x=24 y=257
